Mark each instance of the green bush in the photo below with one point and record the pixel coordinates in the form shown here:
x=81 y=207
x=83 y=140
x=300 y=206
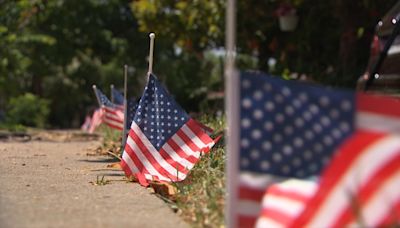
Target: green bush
x=28 y=110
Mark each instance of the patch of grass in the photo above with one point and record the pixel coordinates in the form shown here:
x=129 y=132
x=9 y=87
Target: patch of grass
x=111 y=136
x=13 y=127
x=216 y=123
x=100 y=181
x=111 y=145
x=201 y=196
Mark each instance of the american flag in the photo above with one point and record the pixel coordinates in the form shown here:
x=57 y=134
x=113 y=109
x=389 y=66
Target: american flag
x=360 y=187
x=86 y=125
x=132 y=106
x=118 y=96
x=96 y=120
x=291 y=129
x=163 y=143
x=113 y=114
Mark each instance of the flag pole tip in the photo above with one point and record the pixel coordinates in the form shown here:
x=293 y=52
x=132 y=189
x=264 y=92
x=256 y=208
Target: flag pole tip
x=152 y=35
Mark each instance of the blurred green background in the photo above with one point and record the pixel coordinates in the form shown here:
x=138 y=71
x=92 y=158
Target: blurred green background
x=53 y=51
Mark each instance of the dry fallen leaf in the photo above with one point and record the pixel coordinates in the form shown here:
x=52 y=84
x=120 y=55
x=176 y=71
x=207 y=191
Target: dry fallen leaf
x=132 y=179
x=164 y=189
x=115 y=165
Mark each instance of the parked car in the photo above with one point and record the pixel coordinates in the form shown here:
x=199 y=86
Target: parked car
x=387 y=74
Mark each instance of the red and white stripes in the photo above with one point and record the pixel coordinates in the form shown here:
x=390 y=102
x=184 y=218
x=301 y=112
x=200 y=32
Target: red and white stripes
x=360 y=186
x=113 y=117
x=174 y=159
x=283 y=202
x=378 y=113
x=251 y=191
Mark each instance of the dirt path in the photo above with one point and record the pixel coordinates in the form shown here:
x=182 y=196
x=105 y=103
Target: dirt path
x=47 y=184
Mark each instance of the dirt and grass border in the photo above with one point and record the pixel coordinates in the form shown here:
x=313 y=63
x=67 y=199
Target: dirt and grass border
x=200 y=198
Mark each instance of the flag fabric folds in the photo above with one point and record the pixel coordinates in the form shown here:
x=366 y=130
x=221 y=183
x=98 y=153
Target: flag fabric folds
x=360 y=187
x=96 y=120
x=290 y=129
x=163 y=143
x=86 y=124
x=283 y=202
x=113 y=114
x=92 y=122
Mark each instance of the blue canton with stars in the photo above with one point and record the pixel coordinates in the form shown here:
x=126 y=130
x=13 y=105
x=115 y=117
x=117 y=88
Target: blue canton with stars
x=118 y=96
x=103 y=99
x=132 y=107
x=289 y=128
x=158 y=115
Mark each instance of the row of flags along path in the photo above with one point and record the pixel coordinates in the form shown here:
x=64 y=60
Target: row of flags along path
x=113 y=113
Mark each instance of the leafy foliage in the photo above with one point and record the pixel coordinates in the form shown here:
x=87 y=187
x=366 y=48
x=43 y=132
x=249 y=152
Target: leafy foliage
x=58 y=49
x=330 y=44
x=28 y=110
x=195 y=26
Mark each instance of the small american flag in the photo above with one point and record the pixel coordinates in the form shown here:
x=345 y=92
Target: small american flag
x=113 y=114
x=163 y=143
x=86 y=125
x=96 y=120
x=118 y=96
x=291 y=129
x=132 y=107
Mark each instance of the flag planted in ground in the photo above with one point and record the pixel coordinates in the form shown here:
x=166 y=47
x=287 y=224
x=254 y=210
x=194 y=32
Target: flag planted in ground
x=96 y=120
x=163 y=143
x=291 y=129
x=113 y=114
x=86 y=124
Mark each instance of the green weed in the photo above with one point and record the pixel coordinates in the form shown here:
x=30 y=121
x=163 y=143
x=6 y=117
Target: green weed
x=100 y=181
x=200 y=197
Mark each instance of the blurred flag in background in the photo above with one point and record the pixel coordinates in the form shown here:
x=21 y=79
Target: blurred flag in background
x=132 y=107
x=86 y=124
x=96 y=120
x=290 y=129
x=113 y=114
x=118 y=96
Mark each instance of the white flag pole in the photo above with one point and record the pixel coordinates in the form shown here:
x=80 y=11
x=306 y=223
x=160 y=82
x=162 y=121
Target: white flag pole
x=124 y=132
x=232 y=113
x=97 y=96
x=151 y=53
x=112 y=95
